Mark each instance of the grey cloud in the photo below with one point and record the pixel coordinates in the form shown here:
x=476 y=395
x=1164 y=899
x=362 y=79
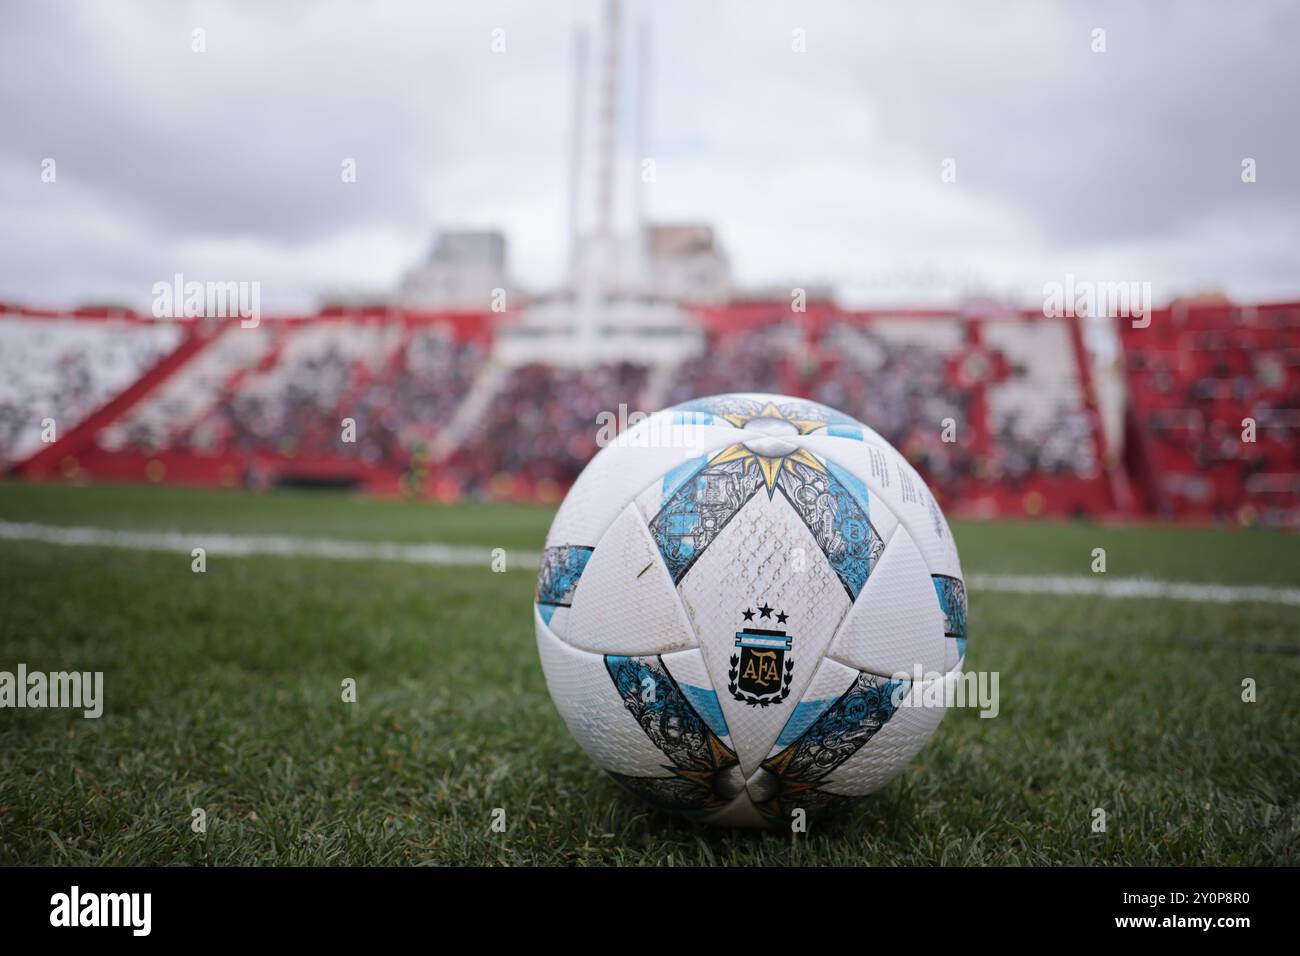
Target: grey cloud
x=159 y=148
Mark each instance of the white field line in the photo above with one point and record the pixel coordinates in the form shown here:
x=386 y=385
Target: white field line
x=1108 y=587
x=239 y=545
x=441 y=554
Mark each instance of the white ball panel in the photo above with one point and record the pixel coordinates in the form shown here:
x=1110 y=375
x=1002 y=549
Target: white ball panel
x=592 y=709
x=896 y=623
x=625 y=602
x=752 y=560
x=559 y=620
x=953 y=657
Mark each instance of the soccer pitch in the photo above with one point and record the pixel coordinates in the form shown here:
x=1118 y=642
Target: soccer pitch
x=222 y=694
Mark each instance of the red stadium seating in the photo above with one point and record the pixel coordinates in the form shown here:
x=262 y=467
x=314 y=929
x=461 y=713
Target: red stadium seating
x=1196 y=376
x=205 y=402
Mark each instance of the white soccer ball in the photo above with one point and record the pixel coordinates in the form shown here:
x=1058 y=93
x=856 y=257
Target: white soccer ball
x=741 y=606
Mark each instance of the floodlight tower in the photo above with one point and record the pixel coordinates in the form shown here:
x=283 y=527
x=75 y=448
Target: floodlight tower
x=575 y=149
x=597 y=256
x=609 y=120
x=606 y=312
x=640 y=252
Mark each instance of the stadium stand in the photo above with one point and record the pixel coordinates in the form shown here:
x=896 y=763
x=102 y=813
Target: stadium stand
x=1026 y=438
x=1197 y=377
x=540 y=429
x=167 y=417
x=294 y=402
x=62 y=367
x=212 y=403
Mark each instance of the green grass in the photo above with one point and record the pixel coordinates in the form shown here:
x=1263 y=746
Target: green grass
x=223 y=693
x=304 y=513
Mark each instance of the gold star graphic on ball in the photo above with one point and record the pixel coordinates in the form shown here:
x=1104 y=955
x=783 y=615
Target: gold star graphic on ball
x=769 y=453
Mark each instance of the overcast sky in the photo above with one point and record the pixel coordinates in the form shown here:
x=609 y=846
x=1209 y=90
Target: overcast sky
x=821 y=165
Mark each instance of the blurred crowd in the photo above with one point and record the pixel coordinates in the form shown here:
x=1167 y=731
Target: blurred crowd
x=62 y=370
x=1217 y=413
x=429 y=404
x=326 y=403
x=1213 y=409
x=542 y=426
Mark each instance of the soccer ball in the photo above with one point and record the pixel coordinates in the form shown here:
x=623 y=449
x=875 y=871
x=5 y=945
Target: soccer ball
x=741 y=604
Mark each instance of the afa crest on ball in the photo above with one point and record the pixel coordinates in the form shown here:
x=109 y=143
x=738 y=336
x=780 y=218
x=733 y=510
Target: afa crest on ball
x=729 y=598
x=761 y=670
